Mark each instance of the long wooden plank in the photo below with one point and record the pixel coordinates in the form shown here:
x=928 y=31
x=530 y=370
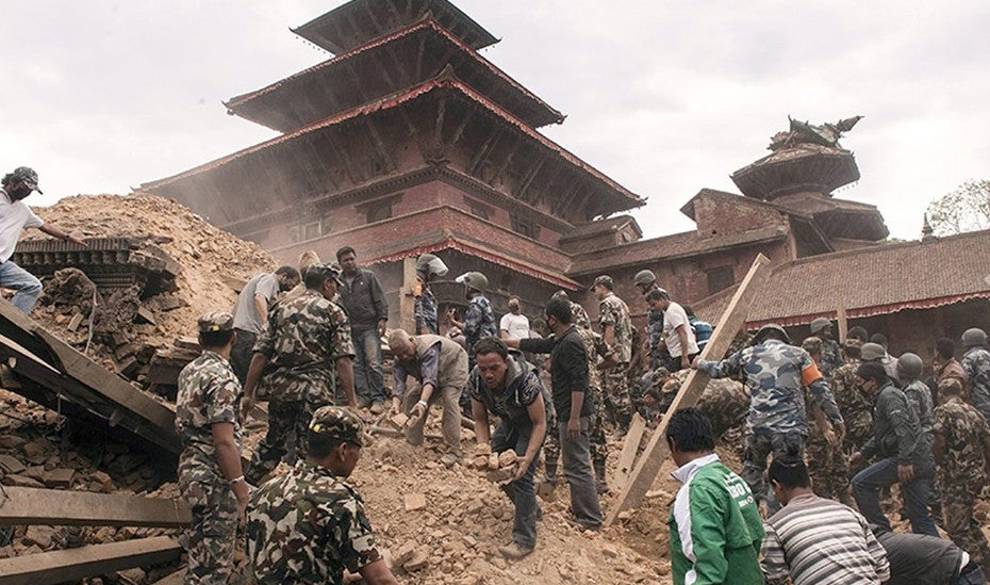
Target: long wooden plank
x=629 y=450
x=72 y=508
x=734 y=317
x=840 y=314
x=52 y=568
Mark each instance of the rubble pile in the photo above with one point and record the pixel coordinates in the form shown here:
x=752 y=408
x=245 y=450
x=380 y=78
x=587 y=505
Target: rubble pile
x=144 y=337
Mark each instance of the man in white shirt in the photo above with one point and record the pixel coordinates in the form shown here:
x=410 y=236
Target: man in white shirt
x=514 y=325
x=15 y=216
x=677 y=332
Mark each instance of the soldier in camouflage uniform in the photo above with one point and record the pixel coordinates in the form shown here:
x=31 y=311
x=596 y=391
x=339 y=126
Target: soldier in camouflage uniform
x=479 y=318
x=210 y=477
x=827 y=463
x=962 y=450
x=646 y=281
x=616 y=327
x=976 y=364
x=856 y=407
x=428 y=268
x=307 y=349
x=309 y=525
x=775 y=373
x=831 y=352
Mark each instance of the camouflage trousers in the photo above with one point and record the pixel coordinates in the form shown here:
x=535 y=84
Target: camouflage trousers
x=959 y=523
x=828 y=468
x=618 y=403
x=209 y=541
x=599 y=442
x=760 y=444
x=288 y=424
x=859 y=430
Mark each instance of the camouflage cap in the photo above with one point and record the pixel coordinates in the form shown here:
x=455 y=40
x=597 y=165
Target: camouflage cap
x=28 y=175
x=819 y=324
x=327 y=270
x=604 y=280
x=872 y=351
x=338 y=423
x=215 y=321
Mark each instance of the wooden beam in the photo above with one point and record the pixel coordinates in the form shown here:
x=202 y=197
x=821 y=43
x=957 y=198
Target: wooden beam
x=483 y=151
x=840 y=315
x=459 y=131
x=30 y=506
x=75 y=564
x=650 y=462
x=407 y=298
x=379 y=144
x=176 y=578
x=629 y=450
x=528 y=180
x=516 y=146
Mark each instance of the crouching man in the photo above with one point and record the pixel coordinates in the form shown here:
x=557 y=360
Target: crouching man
x=510 y=388
x=440 y=365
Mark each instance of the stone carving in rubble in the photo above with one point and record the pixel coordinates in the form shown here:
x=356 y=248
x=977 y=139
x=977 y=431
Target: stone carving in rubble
x=827 y=134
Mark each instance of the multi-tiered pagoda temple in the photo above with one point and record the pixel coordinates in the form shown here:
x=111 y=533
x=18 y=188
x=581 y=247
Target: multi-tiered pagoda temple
x=407 y=141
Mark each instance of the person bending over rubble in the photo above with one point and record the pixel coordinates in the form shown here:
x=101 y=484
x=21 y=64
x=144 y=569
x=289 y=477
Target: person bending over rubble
x=309 y=525
x=509 y=388
x=306 y=339
x=210 y=475
x=15 y=215
x=440 y=365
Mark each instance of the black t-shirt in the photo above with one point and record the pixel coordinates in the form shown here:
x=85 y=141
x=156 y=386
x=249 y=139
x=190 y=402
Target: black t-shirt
x=568 y=369
x=918 y=558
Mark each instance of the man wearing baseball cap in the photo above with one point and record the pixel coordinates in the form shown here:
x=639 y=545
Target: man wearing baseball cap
x=15 y=215
x=309 y=525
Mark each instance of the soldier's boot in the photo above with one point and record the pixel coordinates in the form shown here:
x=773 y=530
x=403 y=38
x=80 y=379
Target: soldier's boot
x=600 y=480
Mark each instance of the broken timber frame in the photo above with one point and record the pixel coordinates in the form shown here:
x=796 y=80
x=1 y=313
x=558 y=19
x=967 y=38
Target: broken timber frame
x=28 y=506
x=74 y=564
x=734 y=317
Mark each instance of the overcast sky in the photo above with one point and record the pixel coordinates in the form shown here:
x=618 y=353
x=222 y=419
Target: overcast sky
x=665 y=97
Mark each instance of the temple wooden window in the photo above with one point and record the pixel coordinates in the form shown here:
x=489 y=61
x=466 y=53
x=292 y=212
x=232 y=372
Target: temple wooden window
x=295 y=234
x=720 y=278
x=479 y=209
x=379 y=211
x=526 y=227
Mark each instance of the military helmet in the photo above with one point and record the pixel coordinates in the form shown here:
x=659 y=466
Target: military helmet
x=762 y=332
x=819 y=324
x=909 y=365
x=339 y=423
x=974 y=337
x=644 y=278
x=475 y=280
x=431 y=265
x=871 y=352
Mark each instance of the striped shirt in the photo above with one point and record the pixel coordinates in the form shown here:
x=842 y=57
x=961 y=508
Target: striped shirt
x=821 y=542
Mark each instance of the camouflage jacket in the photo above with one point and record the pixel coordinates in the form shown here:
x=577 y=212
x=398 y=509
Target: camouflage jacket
x=976 y=364
x=208 y=394
x=920 y=397
x=964 y=431
x=775 y=374
x=595 y=344
x=304 y=339
x=580 y=317
x=307 y=526
x=613 y=311
x=427 y=320
x=831 y=357
x=479 y=321
x=654 y=335
x=848 y=395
